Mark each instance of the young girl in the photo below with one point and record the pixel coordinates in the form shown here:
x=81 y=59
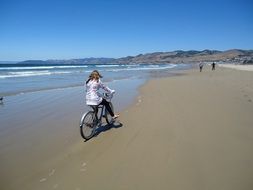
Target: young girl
x=93 y=97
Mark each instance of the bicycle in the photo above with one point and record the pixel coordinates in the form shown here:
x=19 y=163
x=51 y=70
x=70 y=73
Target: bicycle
x=92 y=120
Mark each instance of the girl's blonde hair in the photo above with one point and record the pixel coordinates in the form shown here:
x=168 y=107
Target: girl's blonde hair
x=94 y=76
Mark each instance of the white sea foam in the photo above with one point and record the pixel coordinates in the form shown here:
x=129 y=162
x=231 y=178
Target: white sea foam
x=49 y=71
x=107 y=65
x=31 y=73
x=132 y=65
x=150 y=67
x=137 y=68
x=73 y=66
x=43 y=67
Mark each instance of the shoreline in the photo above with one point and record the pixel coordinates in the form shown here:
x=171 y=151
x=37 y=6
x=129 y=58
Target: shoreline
x=188 y=131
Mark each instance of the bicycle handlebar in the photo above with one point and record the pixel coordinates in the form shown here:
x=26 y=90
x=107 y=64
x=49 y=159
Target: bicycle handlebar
x=108 y=96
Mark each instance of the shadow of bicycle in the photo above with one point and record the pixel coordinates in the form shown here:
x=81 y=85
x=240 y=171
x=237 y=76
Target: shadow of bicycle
x=106 y=127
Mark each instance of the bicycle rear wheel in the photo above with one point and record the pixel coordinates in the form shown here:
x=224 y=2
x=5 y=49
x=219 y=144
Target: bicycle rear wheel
x=108 y=117
x=88 y=125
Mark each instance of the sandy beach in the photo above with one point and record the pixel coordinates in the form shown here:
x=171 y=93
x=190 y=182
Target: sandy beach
x=238 y=67
x=188 y=131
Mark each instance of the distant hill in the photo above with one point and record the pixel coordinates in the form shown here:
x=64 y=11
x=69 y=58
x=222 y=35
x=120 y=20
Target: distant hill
x=190 y=56
x=8 y=62
x=179 y=56
x=70 y=61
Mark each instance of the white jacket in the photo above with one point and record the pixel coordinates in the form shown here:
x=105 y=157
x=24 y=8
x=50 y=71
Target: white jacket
x=93 y=97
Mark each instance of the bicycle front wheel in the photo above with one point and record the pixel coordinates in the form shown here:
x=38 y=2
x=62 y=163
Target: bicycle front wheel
x=88 y=125
x=108 y=117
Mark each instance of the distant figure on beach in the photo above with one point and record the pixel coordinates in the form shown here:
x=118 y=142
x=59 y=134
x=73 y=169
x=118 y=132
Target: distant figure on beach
x=93 y=97
x=201 y=65
x=213 y=66
x=1 y=99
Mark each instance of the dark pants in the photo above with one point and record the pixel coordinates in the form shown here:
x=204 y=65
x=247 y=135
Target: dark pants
x=107 y=107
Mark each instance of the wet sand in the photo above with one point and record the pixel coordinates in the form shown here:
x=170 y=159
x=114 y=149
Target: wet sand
x=188 y=131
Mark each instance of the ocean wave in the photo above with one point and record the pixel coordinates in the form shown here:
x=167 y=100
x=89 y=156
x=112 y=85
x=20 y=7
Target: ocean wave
x=154 y=67
x=135 y=68
x=130 y=65
x=108 y=68
x=30 y=73
x=107 y=65
x=79 y=66
x=44 y=67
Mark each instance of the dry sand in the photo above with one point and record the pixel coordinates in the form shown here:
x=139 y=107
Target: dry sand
x=238 y=67
x=193 y=131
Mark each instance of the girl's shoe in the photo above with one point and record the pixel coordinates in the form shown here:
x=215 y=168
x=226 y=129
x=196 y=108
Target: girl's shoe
x=115 y=116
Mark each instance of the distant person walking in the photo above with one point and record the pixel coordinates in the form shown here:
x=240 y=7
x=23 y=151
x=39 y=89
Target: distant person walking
x=201 y=65
x=213 y=66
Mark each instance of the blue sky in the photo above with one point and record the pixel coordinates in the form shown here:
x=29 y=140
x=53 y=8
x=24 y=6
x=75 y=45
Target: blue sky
x=47 y=29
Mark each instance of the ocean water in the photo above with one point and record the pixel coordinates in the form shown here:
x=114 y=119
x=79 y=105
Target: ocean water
x=18 y=79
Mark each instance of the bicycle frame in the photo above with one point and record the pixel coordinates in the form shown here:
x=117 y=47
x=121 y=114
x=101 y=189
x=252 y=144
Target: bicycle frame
x=100 y=108
x=88 y=128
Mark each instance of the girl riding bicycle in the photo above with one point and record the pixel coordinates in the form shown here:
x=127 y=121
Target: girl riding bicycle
x=93 y=97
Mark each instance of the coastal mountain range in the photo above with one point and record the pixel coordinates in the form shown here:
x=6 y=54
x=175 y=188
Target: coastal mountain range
x=235 y=55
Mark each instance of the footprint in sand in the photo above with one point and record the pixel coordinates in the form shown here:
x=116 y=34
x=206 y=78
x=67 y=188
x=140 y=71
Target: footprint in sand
x=139 y=101
x=247 y=96
x=43 y=180
x=83 y=169
x=55 y=186
x=52 y=172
